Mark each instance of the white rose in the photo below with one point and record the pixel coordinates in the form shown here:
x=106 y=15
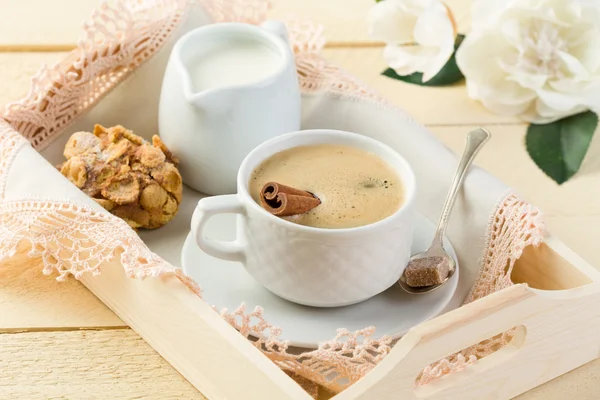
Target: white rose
x=536 y=58
x=419 y=35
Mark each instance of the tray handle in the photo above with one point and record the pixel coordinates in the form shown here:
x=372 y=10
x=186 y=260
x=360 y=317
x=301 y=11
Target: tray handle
x=556 y=332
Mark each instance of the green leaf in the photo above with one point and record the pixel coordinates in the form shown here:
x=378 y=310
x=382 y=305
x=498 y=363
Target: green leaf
x=558 y=148
x=448 y=75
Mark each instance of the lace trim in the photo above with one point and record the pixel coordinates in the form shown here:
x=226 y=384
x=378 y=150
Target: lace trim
x=335 y=364
x=117 y=39
x=514 y=226
x=248 y=11
x=10 y=143
x=73 y=239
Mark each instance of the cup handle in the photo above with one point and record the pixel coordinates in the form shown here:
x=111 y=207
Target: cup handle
x=208 y=207
x=276 y=27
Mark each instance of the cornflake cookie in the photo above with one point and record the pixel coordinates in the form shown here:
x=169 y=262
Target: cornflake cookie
x=135 y=180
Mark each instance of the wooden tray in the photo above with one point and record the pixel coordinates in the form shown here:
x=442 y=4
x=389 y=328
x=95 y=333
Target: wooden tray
x=557 y=318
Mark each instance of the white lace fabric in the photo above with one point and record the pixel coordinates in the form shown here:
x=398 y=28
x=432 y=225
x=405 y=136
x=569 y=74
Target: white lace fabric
x=73 y=238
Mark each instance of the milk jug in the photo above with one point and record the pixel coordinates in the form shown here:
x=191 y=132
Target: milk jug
x=227 y=88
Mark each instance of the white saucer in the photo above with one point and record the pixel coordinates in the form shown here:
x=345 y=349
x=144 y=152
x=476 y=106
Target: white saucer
x=226 y=284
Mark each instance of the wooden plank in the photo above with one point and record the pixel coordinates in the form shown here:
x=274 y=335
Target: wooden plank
x=118 y=364
x=30 y=300
x=17 y=69
x=580 y=233
x=580 y=384
x=110 y=364
x=345 y=21
x=43 y=23
x=429 y=105
x=48 y=24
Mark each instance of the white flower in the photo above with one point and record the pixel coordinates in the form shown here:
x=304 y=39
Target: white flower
x=536 y=58
x=419 y=35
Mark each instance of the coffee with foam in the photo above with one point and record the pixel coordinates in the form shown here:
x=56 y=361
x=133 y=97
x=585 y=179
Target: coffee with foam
x=355 y=187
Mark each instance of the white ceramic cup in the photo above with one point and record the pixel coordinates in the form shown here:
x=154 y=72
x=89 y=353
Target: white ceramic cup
x=306 y=265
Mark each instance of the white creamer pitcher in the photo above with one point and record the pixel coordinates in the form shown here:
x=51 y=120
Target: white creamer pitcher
x=227 y=88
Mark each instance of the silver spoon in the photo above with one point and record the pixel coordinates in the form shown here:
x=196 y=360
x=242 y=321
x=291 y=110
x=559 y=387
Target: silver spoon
x=475 y=141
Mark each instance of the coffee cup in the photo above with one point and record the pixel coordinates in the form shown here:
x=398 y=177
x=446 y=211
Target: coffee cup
x=306 y=265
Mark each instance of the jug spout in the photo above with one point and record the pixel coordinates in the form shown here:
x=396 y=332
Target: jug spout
x=210 y=101
x=276 y=27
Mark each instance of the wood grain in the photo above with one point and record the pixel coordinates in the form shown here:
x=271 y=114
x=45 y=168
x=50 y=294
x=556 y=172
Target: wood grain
x=551 y=266
x=33 y=24
x=109 y=364
x=17 y=69
x=118 y=364
x=48 y=23
x=31 y=300
x=448 y=105
x=580 y=384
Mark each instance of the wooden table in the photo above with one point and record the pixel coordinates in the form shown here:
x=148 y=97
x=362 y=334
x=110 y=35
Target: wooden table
x=57 y=341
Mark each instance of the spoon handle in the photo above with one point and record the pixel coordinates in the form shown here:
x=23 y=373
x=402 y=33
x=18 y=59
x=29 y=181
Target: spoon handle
x=475 y=141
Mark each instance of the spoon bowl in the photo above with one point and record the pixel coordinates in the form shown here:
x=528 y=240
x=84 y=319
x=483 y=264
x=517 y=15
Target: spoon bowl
x=426 y=289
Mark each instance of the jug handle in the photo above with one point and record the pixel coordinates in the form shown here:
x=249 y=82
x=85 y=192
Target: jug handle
x=276 y=27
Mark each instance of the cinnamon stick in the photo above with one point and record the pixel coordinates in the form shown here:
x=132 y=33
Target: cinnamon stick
x=283 y=201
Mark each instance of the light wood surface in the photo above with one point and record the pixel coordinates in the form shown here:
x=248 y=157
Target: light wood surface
x=58 y=355
x=87 y=364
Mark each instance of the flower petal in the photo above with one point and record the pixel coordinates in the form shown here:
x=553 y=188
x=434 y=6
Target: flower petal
x=560 y=102
x=588 y=50
x=537 y=58
x=436 y=63
x=573 y=65
x=434 y=27
x=401 y=60
x=389 y=23
x=528 y=80
x=505 y=109
x=479 y=54
x=502 y=98
x=485 y=12
x=567 y=85
x=545 y=113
